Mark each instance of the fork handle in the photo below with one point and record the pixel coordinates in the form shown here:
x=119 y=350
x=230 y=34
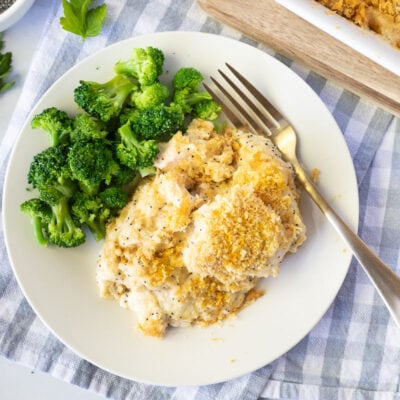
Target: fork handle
x=384 y=279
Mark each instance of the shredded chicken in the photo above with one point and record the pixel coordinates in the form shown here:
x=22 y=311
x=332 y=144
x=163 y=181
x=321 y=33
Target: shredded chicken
x=190 y=247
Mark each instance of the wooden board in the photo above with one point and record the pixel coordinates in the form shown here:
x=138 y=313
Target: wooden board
x=270 y=23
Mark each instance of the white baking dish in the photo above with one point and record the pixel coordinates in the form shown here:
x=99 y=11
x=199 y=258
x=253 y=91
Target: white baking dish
x=365 y=42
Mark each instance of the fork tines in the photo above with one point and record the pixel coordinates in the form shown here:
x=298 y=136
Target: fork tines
x=256 y=112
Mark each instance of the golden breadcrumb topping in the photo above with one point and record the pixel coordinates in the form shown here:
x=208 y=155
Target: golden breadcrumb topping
x=195 y=239
x=380 y=16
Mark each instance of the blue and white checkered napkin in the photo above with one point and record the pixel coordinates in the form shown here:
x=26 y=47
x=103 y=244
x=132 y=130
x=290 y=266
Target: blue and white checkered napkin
x=352 y=353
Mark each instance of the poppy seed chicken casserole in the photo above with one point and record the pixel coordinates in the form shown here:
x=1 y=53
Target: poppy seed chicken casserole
x=221 y=213
x=380 y=16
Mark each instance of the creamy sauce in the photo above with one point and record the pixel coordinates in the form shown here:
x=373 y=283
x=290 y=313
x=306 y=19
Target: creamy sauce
x=190 y=247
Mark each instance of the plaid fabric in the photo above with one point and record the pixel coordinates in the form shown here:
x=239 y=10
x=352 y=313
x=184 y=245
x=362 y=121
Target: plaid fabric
x=352 y=353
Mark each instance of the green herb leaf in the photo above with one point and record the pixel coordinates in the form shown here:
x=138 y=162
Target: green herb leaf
x=5 y=64
x=5 y=67
x=5 y=85
x=94 y=20
x=81 y=20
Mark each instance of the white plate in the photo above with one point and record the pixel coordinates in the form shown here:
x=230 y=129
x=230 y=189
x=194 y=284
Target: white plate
x=60 y=283
x=365 y=42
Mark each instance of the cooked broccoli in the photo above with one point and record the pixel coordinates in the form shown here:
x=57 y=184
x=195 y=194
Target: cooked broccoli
x=86 y=128
x=98 y=157
x=62 y=229
x=114 y=198
x=149 y=96
x=187 y=77
x=39 y=213
x=49 y=168
x=90 y=211
x=127 y=114
x=145 y=64
x=198 y=103
x=124 y=176
x=133 y=152
x=56 y=123
x=188 y=99
x=49 y=173
x=104 y=100
x=91 y=163
x=158 y=122
x=207 y=109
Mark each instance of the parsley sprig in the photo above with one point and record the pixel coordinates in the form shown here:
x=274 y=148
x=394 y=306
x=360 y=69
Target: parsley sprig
x=80 y=19
x=5 y=67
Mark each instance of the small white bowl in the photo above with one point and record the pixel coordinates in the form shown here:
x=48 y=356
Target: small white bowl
x=361 y=40
x=14 y=13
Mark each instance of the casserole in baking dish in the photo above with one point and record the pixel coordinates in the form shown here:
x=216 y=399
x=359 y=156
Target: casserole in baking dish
x=364 y=40
x=380 y=16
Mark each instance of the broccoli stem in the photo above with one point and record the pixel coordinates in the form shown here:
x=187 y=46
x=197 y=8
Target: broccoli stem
x=146 y=171
x=67 y=188
x=62 y=215
x=62 y=229
x=89 y=189
x=194 y=98
x=97 y=228
x=38 y=231
x=127 y=137
x=118 y=90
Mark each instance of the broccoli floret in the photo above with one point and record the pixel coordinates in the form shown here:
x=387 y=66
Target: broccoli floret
x=39 y=213
x=198 y=103
x=187 y=77
x=91 y=163
x=104 y=100
x=127 y=114
x=49 y=168
x=86 y=128
x=90 y=211
x=145 y=64
x=62 y=229
x=188 y=99
x=49 y=173
x=132 y=152
x=56 y=123
x=124 y=176
x=149 y=96
x=158 y=122
x=114 y=198
x=207 y=109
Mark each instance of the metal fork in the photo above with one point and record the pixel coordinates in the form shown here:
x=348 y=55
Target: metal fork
x=270 y=121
